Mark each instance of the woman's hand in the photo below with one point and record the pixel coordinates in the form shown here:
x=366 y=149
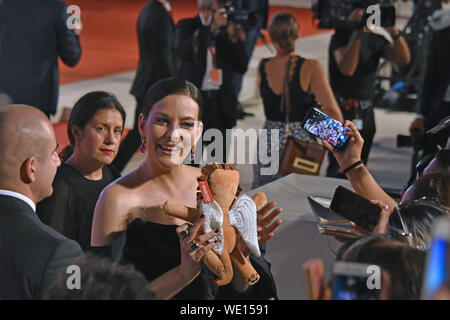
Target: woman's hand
x=192 y=248
x=385 y=213
x=266 y=226
x=352 y=151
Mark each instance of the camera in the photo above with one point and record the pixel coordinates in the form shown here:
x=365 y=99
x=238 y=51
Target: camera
x=334 y=14
x=245 y=18
x=415 y=140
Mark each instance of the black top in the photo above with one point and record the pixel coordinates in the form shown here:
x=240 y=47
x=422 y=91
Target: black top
x=31 y=254
x=360 y=84
x=70 y=209
x=154 y=249
x=301 y=101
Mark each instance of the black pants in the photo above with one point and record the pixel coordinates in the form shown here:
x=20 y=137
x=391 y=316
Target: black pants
x=213 y=119
x=368 y=133
x=130 y=143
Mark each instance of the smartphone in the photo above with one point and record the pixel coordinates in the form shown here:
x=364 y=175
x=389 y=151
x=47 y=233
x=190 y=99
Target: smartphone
x=351 y=281
x=437 y=272
x=326 y=128
x=355 y=208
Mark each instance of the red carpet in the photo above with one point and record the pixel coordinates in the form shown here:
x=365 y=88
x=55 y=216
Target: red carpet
x=109 y=40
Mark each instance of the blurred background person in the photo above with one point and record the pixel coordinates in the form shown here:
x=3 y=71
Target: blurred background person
x=354 y=56
x=94 y=129
x=210 y=49
x=257 y=12
x=434 y=99
x=33 y=34
x=156 y=36
x=308 y=85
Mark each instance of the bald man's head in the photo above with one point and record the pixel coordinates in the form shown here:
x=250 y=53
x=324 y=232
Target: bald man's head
x=25 y=132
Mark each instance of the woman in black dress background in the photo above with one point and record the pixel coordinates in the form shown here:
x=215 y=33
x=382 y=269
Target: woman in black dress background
x=95 y=129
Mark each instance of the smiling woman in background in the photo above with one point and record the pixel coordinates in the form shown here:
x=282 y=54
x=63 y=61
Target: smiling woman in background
x=95 y=129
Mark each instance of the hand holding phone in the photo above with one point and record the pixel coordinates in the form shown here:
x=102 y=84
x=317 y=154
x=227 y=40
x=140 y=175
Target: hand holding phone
x=326 y=128
x=352 y=152
x=355 y=208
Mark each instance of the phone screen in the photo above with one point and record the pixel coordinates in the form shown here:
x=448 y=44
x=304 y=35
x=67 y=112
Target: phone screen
x=356 y=208
x=350 y=282
x=326 y=128
x=438 y=261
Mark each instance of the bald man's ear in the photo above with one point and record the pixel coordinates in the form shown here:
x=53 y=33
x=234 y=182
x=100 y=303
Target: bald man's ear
x=28 y=170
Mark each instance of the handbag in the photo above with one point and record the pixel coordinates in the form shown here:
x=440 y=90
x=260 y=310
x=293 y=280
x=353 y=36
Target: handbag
x=299 y=156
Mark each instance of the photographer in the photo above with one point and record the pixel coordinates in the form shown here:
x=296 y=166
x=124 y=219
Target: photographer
x=209 y=49
x=354 y=55
x=434 y=102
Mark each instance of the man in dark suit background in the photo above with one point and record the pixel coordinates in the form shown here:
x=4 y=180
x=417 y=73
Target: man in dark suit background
x=31 y=253
x=156 y=34
x=206 y=46
x=434 y=99
x=33 y=33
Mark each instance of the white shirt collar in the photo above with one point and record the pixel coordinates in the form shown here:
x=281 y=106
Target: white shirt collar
x=166 y=5
x=19 y=196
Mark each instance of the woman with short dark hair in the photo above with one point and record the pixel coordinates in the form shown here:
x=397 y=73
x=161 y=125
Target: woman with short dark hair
x=95 y=128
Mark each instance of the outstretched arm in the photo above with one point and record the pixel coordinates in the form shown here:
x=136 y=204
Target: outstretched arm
x=360 y=178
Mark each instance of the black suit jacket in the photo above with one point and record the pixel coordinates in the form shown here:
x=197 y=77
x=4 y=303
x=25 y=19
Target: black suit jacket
x=436 y=78
x=192 y=40
x=31 y=253
x=156 y=34
x=33 y=33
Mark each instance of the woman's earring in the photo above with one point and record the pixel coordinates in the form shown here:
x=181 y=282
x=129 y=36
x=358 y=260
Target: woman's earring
x=193 y=153
x=142 y=147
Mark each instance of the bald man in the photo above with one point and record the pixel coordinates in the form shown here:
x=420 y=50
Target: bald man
x=31 y=253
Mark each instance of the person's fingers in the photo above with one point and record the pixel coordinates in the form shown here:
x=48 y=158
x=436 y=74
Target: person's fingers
x=205 y=237
x=357 y=228
x=273 y=226
x=181 y=230
x=202 y=251
x=195 y=227
x=269 y=218
x=380 y=204
x=352 y=126
x=328 y=146
x=263 y=239
x=262 y=212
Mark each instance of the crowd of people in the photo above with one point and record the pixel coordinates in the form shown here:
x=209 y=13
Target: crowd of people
x=77 y=209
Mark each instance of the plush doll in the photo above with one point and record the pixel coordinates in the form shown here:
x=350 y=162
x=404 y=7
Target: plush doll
x=234 y=217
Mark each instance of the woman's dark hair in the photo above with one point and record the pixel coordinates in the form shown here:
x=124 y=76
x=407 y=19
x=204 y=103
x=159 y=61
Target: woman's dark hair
x=283 y=30
x=434 y=186
x=418 y=217
x=166 y=87
x=85 y=109
x=100 y=279
x=404 y=264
